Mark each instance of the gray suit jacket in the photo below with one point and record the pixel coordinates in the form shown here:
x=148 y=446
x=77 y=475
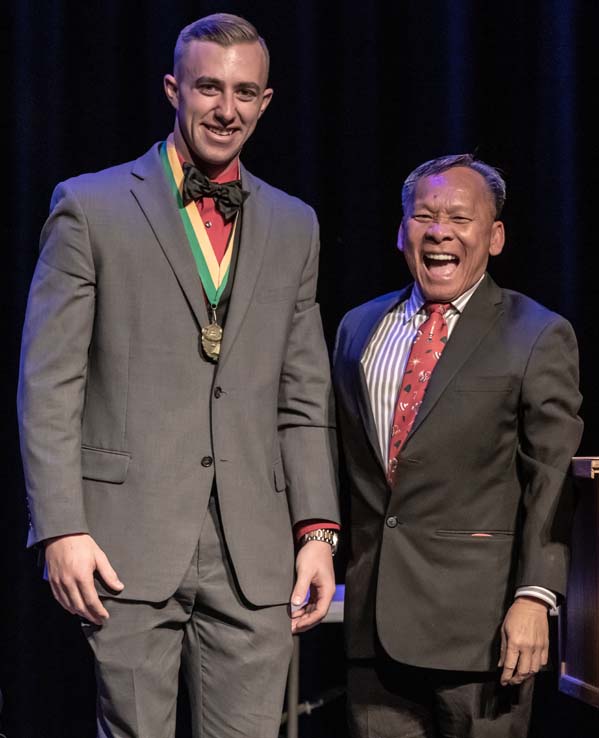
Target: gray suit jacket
x=124 y=425
x=489 y=452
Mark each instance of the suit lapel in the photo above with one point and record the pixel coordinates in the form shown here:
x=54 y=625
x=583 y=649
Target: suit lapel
x=479 y=316
x=255 y=230
x=152 y=192
x=361 y=338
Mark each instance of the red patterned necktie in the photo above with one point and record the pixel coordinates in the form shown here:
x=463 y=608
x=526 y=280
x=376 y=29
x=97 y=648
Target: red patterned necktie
x=428 y=346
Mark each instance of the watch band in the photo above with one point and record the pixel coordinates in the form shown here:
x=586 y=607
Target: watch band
x=327 y=535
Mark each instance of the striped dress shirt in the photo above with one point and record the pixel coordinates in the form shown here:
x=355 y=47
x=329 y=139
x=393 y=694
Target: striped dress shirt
x=384 y=361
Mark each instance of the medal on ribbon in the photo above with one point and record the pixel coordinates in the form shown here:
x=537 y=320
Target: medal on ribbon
x=212 y=336
x=214 y=276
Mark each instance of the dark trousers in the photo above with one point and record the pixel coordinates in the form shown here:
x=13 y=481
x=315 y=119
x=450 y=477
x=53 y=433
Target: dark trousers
x=391 y=700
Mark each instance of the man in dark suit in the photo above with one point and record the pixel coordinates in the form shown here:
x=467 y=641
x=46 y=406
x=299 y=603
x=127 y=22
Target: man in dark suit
x=176 y=412
x=457 y=405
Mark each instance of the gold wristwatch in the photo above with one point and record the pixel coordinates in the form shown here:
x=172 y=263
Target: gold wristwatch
x=328 y=535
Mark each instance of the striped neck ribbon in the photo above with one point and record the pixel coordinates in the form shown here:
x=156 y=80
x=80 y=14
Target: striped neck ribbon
x=213 y=275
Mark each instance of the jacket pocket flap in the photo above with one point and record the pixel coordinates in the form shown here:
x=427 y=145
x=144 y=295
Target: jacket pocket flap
x=476 y=534
x=103 y=465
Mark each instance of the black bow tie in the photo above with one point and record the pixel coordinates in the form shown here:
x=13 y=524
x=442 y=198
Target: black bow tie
x=228 y=196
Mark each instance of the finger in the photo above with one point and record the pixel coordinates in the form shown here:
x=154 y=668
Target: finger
x=94 y=609
x=535 y=662
x=307 y=621
x=510 y=663
x=308 y=618
x=296 y=612
x=60 y=597
x=77 y=603
x=72 y=596
x=315 y=612
x=506 y=675
x=107 y=573
x=307 y=605
x=502 y=650
x=518 y=678
x=524 y=664
x=544 y=655
x=68 y=594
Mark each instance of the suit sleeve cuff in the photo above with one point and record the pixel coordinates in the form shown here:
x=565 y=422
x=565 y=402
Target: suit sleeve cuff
x=539 y=593
x=307 y=526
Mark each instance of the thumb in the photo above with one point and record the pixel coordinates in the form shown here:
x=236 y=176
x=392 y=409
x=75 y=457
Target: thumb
x=300 y=591
x=108 y=574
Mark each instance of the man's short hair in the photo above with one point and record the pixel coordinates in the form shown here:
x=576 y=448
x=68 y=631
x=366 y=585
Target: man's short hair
x=492 y=177
x=223 y=29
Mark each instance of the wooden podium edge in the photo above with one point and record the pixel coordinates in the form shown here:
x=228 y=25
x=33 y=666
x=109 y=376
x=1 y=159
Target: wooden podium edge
x=577 y=688
x=585 y=466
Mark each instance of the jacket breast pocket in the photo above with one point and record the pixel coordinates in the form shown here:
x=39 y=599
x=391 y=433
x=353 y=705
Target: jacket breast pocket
x=104 y=465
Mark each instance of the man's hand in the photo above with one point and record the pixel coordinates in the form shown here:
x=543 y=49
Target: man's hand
x=314 y=567
x=71 y=561
x=524 y=640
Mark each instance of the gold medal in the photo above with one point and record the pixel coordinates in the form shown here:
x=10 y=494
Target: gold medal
x=212 y=336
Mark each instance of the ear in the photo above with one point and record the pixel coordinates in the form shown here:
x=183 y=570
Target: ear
x=497 y=238
x=400 y=237
x=266 y=98
x=171 y=89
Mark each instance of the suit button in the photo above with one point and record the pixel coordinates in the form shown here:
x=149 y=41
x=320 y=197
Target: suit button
x=207 y=461
x=218 y=391
x=392 y=521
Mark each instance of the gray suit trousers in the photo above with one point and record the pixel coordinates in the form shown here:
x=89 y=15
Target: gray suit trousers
x=234 y=657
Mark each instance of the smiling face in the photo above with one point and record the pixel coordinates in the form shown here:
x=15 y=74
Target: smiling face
x=450 y=232
x=219 y=92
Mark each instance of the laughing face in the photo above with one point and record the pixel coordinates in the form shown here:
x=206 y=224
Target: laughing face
x=219 y=92
x=450 y=232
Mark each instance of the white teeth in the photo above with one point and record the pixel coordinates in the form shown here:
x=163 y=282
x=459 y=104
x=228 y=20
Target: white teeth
x=219 y=131
x=440 y=257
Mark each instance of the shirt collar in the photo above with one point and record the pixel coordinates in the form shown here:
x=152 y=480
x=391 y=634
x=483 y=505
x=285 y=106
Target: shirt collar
x=230 y=173
x=415 y=302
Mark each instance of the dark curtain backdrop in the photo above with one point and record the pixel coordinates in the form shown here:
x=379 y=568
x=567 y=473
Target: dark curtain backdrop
x=364 y=91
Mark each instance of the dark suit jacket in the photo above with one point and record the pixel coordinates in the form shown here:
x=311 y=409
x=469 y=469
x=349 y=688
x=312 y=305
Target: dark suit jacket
x=489 y=452
x=124 y=425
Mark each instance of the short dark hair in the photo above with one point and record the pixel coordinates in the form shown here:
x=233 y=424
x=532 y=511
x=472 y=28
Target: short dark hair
x=491 y=175
x=224 y=29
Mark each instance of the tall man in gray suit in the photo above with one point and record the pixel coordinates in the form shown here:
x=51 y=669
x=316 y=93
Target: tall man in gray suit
x=176 y=411
x=458 y=407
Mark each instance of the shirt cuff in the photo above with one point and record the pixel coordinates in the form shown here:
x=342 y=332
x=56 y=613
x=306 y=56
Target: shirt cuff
x=307 y=526
x=539 y=593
